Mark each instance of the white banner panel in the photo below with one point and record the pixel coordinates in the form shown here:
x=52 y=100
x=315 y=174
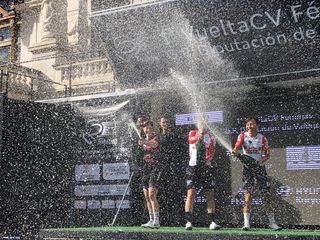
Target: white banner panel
x=108 y=204
x=303 y=157
x=80 y=204
x=125 y=204
x=87 y=172
x=192 y=118
x=94 y=204
x=116 y=171
x=101 y=190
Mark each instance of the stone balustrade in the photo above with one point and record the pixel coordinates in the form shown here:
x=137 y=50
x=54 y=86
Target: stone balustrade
x=18 y=77
x=92 y=71
x=28 y=84
x=20 y=82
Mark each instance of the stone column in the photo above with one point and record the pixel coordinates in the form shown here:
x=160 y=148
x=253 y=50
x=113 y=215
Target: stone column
x=77 y=21
x=48 y=20
x=73 y=21
x=51 y=32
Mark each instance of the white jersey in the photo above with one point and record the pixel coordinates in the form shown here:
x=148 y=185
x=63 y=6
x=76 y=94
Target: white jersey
x=210 y=145
x=254 y=147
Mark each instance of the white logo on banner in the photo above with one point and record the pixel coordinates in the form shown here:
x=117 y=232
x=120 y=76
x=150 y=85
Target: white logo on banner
x=101 y=190
x=87 y=172
x=116 y=171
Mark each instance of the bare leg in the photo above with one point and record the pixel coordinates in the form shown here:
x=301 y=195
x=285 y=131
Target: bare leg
x=148 y=202
x=246 y=208
x=247 y=201
x=153 y=192
x=155 y=206
x=210 y=201
x=211 y=209
x=149 y=207
x=191 y=194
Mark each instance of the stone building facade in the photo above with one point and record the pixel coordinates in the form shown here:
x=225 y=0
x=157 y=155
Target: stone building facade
x=52 y=54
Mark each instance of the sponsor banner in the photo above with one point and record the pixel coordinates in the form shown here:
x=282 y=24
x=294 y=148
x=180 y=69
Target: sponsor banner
x=116 y=171
x=262 y=39
x=107 y=204
x=98 y=132
x=87 y=172
x=303 y=157
x=125 y=204
x=192 y=118
x=94 y=204
x=80 y=204
x=101 y=190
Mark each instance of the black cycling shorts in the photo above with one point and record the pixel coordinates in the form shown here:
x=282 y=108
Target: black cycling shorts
x=151 y=175
x=256 y=176
x=200 y=177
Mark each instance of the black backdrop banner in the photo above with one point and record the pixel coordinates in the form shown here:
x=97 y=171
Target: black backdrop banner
x=260 y=38
x=36 y=165
x=102 y=167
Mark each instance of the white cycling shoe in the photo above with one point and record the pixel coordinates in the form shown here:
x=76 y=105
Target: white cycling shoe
x=275 y=227
x=148 y=224
x=188 y=226
x=214 y=226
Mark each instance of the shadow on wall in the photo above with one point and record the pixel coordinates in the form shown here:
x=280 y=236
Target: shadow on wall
x=285 y=213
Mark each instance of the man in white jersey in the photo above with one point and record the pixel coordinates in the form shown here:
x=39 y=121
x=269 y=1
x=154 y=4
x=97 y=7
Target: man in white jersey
x=199 y=172
x=255 y=145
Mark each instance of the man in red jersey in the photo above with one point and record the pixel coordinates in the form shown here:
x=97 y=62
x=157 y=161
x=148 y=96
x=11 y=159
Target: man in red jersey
x=199 y=172
x=255 y=145
x=151 y=174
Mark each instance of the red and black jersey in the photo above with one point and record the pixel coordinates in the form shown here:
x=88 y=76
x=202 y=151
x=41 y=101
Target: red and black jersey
x=254 y=147
x=151 y=154
x=209 y=143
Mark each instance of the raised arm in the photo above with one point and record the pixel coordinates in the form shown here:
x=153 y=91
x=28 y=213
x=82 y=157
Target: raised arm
x=193 y=136
x=238 y=144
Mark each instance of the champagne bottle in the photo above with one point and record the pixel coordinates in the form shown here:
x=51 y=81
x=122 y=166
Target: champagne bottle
x=247 y=160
